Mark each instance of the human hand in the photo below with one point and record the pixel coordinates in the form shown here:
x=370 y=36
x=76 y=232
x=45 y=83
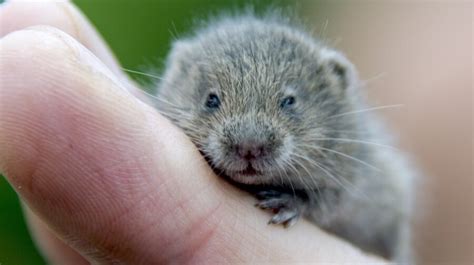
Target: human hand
x=104 y=178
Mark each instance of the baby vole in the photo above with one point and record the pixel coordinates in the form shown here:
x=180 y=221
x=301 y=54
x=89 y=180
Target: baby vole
x=281 y=115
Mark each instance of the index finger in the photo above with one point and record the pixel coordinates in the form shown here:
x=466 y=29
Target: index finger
x=63 y=15
x=16 y=15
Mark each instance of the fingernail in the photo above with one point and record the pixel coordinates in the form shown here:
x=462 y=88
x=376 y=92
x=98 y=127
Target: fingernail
x=81 y=53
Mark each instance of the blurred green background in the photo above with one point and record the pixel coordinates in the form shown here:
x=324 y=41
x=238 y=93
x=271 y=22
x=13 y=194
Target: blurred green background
x=139 y=32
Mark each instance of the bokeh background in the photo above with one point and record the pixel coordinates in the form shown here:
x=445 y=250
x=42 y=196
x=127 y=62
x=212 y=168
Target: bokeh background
x=417 y=53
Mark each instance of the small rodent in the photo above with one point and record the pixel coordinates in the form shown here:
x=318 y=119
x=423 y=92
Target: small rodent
x=281 y=115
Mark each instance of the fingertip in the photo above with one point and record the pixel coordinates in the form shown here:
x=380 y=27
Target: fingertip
x=16 y=15
x=51 y=51
x=63 y=15
x=44 y=73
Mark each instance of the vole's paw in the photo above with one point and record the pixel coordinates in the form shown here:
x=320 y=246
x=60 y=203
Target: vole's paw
x=287 y=207
x=286 y=217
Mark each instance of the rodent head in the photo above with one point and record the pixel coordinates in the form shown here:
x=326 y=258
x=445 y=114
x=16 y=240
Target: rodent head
x=253 y=96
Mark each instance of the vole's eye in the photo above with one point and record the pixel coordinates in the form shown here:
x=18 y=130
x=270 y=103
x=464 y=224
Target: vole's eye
x=287 y=102
x=213 y=101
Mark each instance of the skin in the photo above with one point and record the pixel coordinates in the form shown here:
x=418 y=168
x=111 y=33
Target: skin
x=104 y=178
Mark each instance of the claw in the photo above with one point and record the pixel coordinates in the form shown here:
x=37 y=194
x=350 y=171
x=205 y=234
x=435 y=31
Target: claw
x=287 y=217
x=286 y=208
x=272 y=203
x=291 y=222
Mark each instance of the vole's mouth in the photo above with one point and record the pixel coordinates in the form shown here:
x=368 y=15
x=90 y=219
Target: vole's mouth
x=249 y=175
x=249 y=171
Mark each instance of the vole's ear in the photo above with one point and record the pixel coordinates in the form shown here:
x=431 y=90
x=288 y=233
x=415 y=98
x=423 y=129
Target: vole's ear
x=342 y=70
x=180 y=56
x=179 y=64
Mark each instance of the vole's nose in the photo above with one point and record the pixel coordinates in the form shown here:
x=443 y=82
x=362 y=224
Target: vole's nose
x=250 y=150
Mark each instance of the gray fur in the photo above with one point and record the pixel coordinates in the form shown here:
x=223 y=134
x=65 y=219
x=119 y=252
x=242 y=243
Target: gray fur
x=251 y=64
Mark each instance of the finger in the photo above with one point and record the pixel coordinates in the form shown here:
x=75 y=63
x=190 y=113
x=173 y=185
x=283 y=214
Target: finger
x=63 y=15
x=16 y=15
x=117 y=181
x=81 y=152
x=58 y=252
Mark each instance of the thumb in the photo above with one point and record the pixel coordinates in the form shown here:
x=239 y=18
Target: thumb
x=90 y=159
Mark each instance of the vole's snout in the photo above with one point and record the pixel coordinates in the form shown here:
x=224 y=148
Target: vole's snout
x=247 y=148
x=251 y=149
x=253 y=141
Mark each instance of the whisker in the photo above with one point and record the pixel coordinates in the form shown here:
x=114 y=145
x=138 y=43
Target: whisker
x=371 y=79
x=280 y=175
x=288 y=180
x=149 y=75
x=142 y=73
x=355 y=141
x=301 y=177
x=355 y=132
x=344 y=155
x=309 y=188
x=354 y=190
x=332 y=177
x=366 y=110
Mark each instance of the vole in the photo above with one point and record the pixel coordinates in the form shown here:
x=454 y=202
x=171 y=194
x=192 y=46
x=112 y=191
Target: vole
x=281 y=114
